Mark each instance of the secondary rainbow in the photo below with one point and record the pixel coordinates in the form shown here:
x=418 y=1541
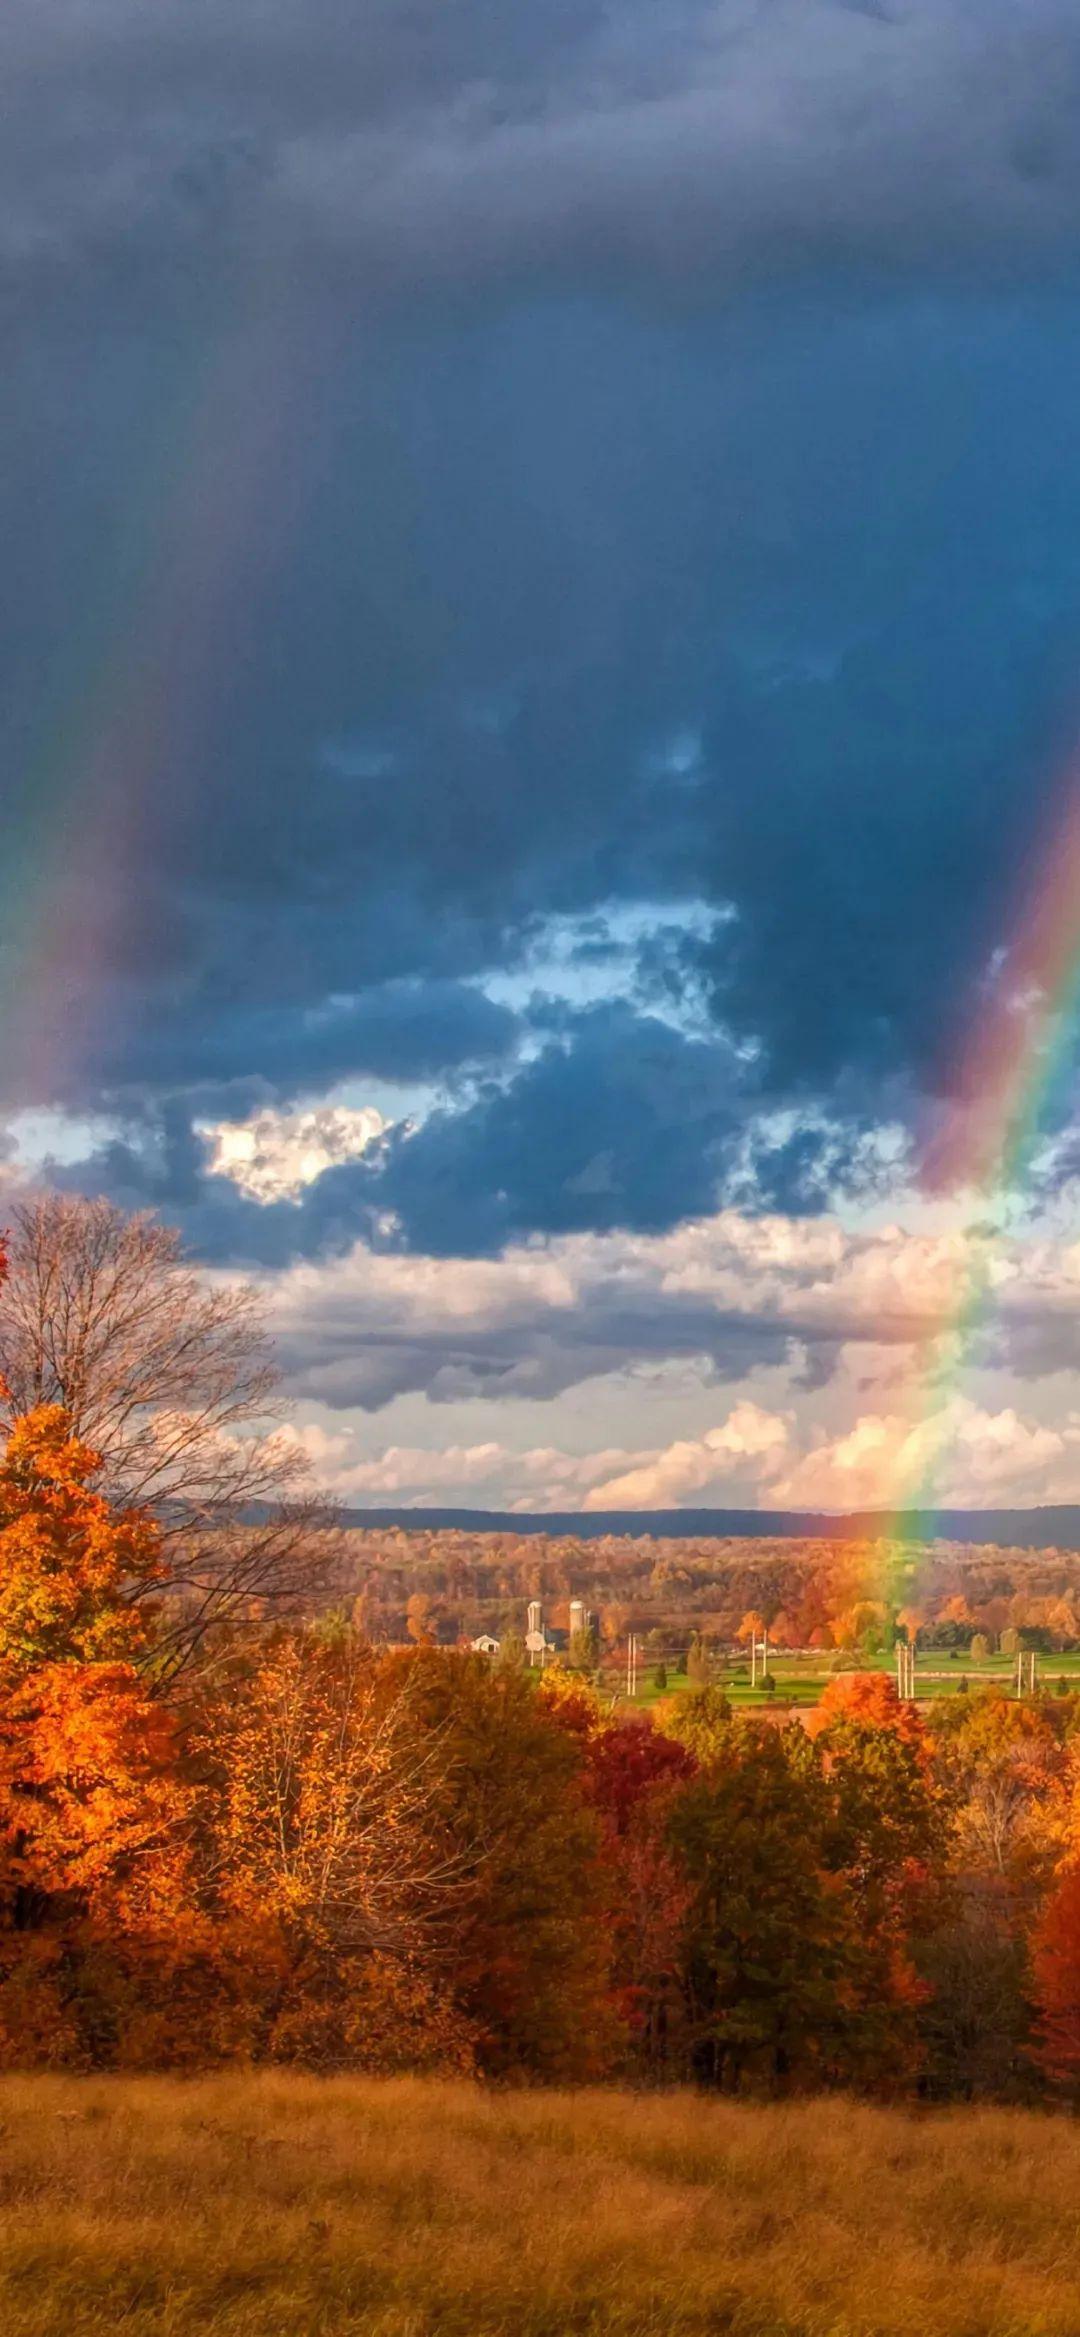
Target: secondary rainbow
x=224 y=455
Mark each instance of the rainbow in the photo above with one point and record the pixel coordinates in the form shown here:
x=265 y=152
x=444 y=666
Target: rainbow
x=1013 y=1061
x=222 y=463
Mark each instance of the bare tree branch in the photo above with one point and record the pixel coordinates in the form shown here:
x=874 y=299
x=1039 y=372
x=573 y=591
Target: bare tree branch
x=171 y=1378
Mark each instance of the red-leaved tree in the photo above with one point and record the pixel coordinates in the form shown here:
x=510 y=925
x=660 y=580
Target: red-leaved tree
x=1055 y=1968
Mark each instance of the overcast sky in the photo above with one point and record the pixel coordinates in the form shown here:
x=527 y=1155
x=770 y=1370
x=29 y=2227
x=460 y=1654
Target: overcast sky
x=541 y=561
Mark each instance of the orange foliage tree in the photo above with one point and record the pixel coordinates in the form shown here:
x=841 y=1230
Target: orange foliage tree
x=322 y=1848
x=91 y=1813
x=1055 y=1966
x=632 y=1770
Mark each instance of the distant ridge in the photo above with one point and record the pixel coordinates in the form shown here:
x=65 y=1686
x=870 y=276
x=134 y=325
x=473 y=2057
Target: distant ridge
x=1028 y=1529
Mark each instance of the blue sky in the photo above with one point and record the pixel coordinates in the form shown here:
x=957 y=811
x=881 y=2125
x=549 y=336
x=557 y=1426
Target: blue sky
x=542 y=627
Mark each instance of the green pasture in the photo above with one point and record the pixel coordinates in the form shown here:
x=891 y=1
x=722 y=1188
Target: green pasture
x=802 y=1680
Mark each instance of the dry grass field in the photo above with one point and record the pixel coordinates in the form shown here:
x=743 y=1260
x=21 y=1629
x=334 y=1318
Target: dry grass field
x=271 y=2205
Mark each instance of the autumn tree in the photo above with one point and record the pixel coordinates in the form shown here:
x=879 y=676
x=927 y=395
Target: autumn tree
x=1056 y=1979
x=887 y=1813
x=633 y=1773
x=1004 y=1771
x=420 y=1616
x=1005 y=1768
x=76 y=1573
x=697 y=1663
x=702 y=1720
x=583 y=1651
x=532 y=1942
x=766 y=1938
x=90 y=1808
x=170 y=1379
x=885 y=1838
x=975 y=2024
x=322 y=1840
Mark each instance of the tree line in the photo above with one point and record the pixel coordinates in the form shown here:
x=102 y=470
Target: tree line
x=819 y=1595
x=233 y=1830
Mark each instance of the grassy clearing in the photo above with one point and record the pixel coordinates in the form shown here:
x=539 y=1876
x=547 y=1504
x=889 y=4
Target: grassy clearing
x=264 y=2206
x=803 y=1681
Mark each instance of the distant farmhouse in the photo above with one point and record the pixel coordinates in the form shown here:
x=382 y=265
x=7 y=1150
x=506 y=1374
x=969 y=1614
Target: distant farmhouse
x=542 y=1640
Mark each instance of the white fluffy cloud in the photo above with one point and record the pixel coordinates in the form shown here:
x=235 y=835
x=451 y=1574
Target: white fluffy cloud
x=413 y=1475
x=959 y=1455
x=724 y=1293
x=963 y=1455
x=715 y=1299
x=273 y=1155
x=749 y=1444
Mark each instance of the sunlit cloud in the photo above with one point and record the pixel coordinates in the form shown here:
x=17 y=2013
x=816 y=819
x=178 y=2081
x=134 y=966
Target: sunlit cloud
x=272 y=1155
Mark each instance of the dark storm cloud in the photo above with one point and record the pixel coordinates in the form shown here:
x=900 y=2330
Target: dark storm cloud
x=710 y=535
x=461 y=141
x=600 y=1133
x=402 y=1030
x=619 y=1123
x=782 y=612
x=629 y=1126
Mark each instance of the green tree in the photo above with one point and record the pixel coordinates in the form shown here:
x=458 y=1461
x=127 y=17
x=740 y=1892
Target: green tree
x=765 y=1936
x=886 y=1838
x=697 y=1664
x=582 y=1651
x=529 y=1943
x=702 y=1721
